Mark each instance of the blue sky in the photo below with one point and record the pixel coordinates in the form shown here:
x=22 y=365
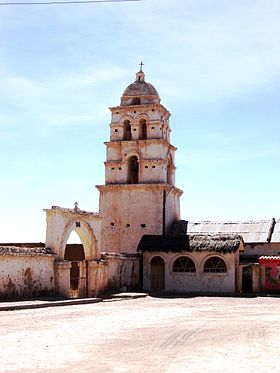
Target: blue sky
x=215 y=64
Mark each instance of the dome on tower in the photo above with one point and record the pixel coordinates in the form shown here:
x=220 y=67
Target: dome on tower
x=140 y=92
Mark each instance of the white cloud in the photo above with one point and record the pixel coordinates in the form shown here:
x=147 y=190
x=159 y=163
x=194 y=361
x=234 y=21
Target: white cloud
x=67 y=99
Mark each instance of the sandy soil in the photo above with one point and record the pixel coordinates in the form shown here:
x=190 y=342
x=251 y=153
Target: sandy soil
x=200 y=334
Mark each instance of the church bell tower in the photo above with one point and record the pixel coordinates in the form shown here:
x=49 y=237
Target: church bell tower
x=139 y=196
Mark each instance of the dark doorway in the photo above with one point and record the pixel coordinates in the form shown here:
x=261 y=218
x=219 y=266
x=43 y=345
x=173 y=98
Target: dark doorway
x=157 y=273
x=247 y=280
x=75 y=254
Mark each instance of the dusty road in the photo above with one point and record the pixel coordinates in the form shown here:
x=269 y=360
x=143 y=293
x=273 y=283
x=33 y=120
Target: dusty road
x=199 y=334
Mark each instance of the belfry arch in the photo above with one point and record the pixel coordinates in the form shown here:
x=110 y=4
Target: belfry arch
x=133 y=170
x=127 y=130
x=143 y=129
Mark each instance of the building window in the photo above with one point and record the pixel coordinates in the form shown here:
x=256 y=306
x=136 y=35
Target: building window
x=184 y=264
x=215 y=265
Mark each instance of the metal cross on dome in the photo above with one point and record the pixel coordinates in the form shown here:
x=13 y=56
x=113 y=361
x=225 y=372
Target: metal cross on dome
x=141 y=64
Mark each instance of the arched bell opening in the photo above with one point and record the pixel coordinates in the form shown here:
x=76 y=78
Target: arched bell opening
x=133 y=170
x=143 y=129
x=127 y=130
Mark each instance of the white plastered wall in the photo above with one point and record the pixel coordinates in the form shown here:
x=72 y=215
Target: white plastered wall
x=198 y=281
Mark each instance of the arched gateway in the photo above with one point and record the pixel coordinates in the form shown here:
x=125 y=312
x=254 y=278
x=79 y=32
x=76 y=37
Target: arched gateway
x=77 y=267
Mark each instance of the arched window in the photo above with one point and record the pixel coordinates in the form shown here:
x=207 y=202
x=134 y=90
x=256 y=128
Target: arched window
x=136 y=101
x=143 y=129
x=126 y=130
x=215 y=265
x=157 y=273
x=133 y=170
x=184 y=264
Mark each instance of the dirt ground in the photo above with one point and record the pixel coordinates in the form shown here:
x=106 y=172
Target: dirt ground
x=199 y=334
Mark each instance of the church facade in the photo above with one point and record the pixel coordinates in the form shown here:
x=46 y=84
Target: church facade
x=137 y=240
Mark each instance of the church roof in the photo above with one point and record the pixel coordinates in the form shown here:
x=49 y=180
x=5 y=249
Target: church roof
x=183 y=243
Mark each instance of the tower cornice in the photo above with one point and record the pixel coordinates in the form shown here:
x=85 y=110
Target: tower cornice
x=135 y=143
x=140 y=108
x=152 y=186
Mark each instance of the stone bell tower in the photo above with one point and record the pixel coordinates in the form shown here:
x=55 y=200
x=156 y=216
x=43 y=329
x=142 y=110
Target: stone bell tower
x=139 y=196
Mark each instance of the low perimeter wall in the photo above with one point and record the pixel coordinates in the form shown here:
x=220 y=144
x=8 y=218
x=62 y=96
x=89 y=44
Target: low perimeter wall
x=26 y=276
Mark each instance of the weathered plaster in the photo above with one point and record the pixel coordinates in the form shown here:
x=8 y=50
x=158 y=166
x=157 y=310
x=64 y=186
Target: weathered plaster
x=26 y=275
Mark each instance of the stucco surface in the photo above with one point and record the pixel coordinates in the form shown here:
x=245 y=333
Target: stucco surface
x=202 y=334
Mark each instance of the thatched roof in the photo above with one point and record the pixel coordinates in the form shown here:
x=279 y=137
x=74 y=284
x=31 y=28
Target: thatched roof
x=213 y=243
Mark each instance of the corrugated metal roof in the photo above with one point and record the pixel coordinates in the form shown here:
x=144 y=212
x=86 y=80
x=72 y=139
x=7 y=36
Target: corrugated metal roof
x=252 y=231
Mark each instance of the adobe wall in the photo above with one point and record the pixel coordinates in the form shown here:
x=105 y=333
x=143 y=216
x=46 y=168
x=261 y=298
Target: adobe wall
x=123 y=272
x=26 y=276
x=130 y=211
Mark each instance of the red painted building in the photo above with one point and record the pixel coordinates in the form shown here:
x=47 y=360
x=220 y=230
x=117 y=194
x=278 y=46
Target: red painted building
x=270 y=269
